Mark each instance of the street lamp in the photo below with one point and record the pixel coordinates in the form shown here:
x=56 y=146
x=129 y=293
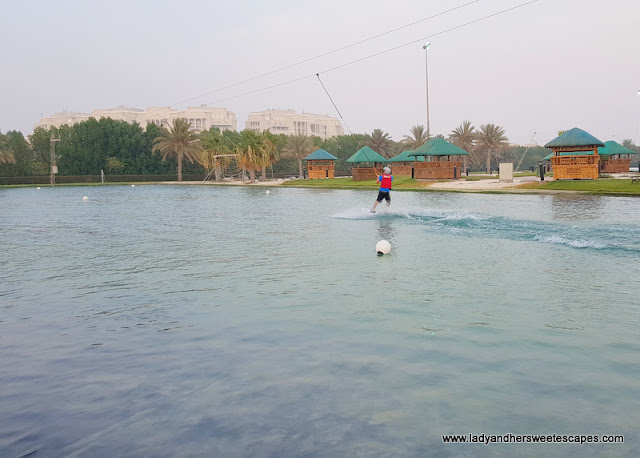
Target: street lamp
x=426 y=47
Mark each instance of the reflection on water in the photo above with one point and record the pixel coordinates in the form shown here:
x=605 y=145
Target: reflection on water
x=210 y=321
x=577 y=207
x=385 y=230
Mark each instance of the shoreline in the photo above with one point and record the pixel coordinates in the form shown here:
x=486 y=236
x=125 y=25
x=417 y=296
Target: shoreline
x=485 y=185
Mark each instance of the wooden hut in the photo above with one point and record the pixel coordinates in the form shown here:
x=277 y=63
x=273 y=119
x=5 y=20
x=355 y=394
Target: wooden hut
x=366 y=164
x=443 y=160
x=402 y=164
x=615 y=158
x=321 y=164
x=575 y=155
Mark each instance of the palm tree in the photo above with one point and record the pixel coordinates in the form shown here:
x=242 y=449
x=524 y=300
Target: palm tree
x=178 y=140
x=214 y=145
x=380 y=142
x=628 y=143
x=490 y=141
x=463 y=136
x=248 y=146
x=417 y=137
x=298 y=147
x=268 y=152
x=6 y=155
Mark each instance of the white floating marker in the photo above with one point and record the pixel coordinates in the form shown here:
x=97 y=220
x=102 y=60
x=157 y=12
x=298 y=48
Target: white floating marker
x=38 y=187
x=383 y=247
x=133 y=185
x=267 y=192
x=85 y=198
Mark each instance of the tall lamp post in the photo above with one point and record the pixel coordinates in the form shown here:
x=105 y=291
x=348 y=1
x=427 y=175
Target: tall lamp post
x=426 y=63
x=639 y=141
x=54 y=167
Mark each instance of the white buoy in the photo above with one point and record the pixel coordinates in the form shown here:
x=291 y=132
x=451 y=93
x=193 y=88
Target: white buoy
x=383 y=247
x=38 y=187
x=133 y=185
x=267 y=192
x=85 y=198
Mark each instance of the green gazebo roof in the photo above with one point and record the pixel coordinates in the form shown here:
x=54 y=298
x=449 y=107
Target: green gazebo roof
x=404 y=157
x=611 y=148
x=439 y=147
x=572 y=138
x=366 y=154
x=320 y=155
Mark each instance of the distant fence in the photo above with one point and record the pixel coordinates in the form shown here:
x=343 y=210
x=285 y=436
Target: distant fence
x=97 y=179
x=60 y=179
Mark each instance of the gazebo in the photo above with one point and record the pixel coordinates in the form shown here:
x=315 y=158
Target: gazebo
x=617 y=158
x=320 y=164
x=402 y=164
x=575 y=155
x=366 y=162
x=445 y=160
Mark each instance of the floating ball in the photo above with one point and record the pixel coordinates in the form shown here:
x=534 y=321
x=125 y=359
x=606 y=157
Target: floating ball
x=267 y=192
x=85 y=198
x=383 y=247
x=133 y=185
x=38 y=187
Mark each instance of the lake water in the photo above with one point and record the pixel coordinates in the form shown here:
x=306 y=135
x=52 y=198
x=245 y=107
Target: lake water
x=225 y=321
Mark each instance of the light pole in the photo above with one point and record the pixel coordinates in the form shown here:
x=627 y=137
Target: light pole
x=54 y=167
x=426 y=63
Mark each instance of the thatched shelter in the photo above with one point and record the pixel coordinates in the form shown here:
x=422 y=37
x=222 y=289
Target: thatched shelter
x=615 y=157
x=321 y=164
x=366 y=163
x=575 y=155
x=443 y=160
x=402 y=164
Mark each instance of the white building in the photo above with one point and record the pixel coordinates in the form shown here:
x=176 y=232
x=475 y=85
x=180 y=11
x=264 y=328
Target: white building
x=200 y=118
x=289 y=122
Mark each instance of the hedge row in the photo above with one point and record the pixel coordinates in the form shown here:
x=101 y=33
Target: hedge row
x=97 y=179
x=60 y=179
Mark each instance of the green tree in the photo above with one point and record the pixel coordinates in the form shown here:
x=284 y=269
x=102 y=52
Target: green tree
x=416 y=138
x=628 y=143
x=114 y=165
x=247 y=145
x=178 y=141
x=491 y=142
x=343 y=147
x=298 y=147
x=40 y=141
x=15 y=155
x=268 y=152
x=6 y=155
x=380 y=142
x=463 y=136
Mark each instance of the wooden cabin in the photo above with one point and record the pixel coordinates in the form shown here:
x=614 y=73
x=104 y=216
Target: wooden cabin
x=575 y=155
x=443 y=160
x=366 y=164
x=615 y=158
x=321 y=164
x=403 y=164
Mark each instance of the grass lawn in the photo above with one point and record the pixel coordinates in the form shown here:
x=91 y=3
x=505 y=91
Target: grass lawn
x=399 y=183
x=601 y=186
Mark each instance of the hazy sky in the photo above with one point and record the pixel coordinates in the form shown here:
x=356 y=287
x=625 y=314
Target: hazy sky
x=550 y=65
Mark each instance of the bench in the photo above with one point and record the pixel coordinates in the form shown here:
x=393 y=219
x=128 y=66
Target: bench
x=635 y=178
